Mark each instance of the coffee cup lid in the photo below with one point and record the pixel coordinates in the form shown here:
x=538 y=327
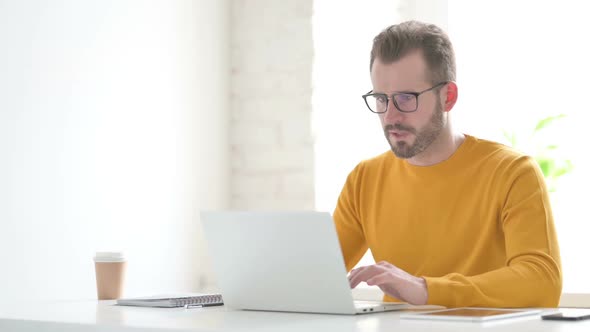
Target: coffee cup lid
x=109 y=256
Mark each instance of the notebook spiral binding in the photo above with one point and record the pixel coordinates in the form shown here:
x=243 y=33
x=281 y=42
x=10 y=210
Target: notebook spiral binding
x=190 y=300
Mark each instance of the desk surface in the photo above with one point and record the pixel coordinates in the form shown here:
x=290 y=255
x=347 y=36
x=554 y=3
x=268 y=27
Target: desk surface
x=104 y=316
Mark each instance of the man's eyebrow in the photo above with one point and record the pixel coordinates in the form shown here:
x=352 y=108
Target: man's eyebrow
x=394 y=92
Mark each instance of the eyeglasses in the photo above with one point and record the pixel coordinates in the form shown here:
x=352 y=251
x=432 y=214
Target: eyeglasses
x=406 y=102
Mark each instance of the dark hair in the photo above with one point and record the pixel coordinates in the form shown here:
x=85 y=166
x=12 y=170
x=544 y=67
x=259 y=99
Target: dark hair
x=398 y=40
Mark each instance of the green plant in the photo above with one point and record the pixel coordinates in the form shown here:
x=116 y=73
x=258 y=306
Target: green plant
x=546 y=154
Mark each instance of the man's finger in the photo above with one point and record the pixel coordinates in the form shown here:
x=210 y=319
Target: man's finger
x=385 y=264
x=353 y=277
x=380 y=279
x=363 y=274
x=353 y=272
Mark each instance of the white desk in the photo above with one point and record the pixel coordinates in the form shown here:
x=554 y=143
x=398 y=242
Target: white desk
x=69 y=316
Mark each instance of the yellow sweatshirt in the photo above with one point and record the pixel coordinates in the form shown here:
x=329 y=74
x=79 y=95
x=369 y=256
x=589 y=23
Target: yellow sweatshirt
x=477 y=227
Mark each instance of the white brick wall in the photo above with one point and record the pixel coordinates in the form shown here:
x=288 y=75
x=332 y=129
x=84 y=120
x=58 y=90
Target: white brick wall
x=270 y=130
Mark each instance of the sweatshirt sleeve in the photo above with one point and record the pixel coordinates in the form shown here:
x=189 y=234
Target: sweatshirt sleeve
x=532 y=275
x=347 y=221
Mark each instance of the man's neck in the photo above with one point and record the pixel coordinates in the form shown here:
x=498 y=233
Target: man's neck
x=440 y=150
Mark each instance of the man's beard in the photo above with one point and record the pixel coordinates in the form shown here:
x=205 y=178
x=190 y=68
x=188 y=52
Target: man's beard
x=423 y=137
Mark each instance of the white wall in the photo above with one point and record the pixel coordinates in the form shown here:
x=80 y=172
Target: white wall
x=113 y=135
x=271 y=142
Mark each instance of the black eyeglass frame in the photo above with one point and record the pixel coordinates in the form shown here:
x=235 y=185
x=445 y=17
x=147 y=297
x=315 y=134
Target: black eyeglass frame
x=392 y=97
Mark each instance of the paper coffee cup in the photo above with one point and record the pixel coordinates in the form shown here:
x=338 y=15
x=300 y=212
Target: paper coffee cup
x=110 y=274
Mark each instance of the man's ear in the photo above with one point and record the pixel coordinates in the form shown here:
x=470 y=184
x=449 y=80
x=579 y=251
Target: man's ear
x=452 y=95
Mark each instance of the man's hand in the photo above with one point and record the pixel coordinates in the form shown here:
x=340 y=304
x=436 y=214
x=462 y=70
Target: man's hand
x=393 y=281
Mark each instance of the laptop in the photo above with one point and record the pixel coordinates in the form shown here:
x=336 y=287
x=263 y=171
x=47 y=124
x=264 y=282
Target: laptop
x=282 y=261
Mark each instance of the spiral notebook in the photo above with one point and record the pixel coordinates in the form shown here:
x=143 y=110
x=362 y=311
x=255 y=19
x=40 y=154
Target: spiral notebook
x=174 y=301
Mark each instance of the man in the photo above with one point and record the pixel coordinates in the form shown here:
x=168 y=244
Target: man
x=451 y=219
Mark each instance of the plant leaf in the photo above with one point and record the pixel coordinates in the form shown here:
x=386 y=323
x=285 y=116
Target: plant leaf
x=510 y=137
x=563 y=169
x=547 y=121
x=546 y=166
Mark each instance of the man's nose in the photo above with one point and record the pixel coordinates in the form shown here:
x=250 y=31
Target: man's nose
x=393 y=115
